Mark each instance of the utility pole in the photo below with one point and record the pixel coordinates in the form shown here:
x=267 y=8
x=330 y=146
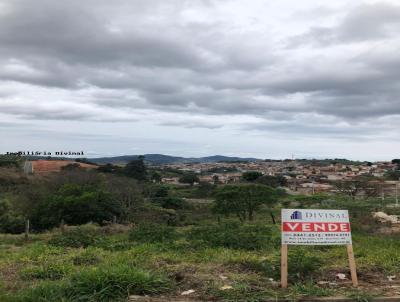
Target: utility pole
x=397 y=194
x=313 y=189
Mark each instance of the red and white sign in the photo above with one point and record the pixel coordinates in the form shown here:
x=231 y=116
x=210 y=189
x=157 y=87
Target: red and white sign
x=315 y=227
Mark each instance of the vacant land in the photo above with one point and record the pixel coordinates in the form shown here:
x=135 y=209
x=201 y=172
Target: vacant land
x=205 y=242
x=226 y=261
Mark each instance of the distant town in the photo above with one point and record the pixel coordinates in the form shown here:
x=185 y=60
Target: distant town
x=302 y=176
x=297 y=176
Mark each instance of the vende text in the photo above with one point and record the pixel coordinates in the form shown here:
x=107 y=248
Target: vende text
x=316 y=227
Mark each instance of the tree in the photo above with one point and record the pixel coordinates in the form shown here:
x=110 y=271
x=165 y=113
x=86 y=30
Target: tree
x=251 y=175
x=136 y=169
x=71 y=167
x=125 y=190
x=156 y=177
x=215 y=179
x=108 y=168
x=204 y=190
x=244 y=200
x=85 y=161
x=175 y=203
x=189 y=178
x=10 y=161
x=392 y=175
x=10 y=221
x=272 y=181
x=354 y=187
x=76 y=205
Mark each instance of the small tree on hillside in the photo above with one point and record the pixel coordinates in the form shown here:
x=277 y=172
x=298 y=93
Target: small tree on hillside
x=396 y=161
x=76 y=205
x=357 y=186
x=244 y=200
x=215 y=179
x=251 y=175
x=272 y=181
x=156 y=177
x=136 y=169
x=189 y=178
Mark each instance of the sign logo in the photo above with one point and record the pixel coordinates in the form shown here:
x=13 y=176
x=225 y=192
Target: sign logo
x=296 y=215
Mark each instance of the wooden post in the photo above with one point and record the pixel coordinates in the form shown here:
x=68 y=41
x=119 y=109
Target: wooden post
x=284 y=266
x=114 y=219
x=27 y=229
x=352 y=265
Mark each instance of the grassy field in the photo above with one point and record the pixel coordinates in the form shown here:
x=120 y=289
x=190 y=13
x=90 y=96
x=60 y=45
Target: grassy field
x=224 y=261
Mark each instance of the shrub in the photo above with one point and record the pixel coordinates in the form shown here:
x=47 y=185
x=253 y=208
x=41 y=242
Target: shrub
x=76 y=204
x=303 y=264
x=269 y=268
x=244 y=200
x=47 y=291
x=175 y=203
x=152 y=233
x=155 y=214
x=234 y=235
x=104 y=284
x=10 y=222
x=251 y=175
x=82 y=236
x=87 y=257
x=51 y=271
x=113 y=283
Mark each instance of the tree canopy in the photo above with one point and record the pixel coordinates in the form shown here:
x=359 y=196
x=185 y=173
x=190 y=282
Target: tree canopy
x=245 y=199
x=251 y=175
x=136 y=169
x=76 y=205
x=189 y=178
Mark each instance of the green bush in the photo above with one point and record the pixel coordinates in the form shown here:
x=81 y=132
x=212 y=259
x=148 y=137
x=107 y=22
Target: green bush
x=103 y=284
x=75 y=204
x=10 y=222
x=303 y=264
x=87 y=257
x=175 y=203
x=268 y=268
x=234 y=235
x=152 y=233
x=47 y=291
x=51 y=271
x=113 y=283
x=82 y=236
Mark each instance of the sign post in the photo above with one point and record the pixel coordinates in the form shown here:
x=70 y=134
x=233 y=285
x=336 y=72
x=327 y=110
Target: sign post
x=315 y=227
x=284 y=266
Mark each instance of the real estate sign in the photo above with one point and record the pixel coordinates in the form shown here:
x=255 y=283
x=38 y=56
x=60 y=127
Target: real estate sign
x=315 y=227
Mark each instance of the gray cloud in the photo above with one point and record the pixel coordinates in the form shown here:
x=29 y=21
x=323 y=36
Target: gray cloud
x=363 y=23
x=184 y=64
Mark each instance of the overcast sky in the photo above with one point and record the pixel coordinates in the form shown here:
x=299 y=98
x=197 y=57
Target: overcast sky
x=192 y=78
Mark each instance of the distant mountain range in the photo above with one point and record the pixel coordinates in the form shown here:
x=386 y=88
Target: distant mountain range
x=157 y=159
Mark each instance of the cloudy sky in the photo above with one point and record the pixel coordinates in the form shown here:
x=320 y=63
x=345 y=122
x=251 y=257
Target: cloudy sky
x=249 y=78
